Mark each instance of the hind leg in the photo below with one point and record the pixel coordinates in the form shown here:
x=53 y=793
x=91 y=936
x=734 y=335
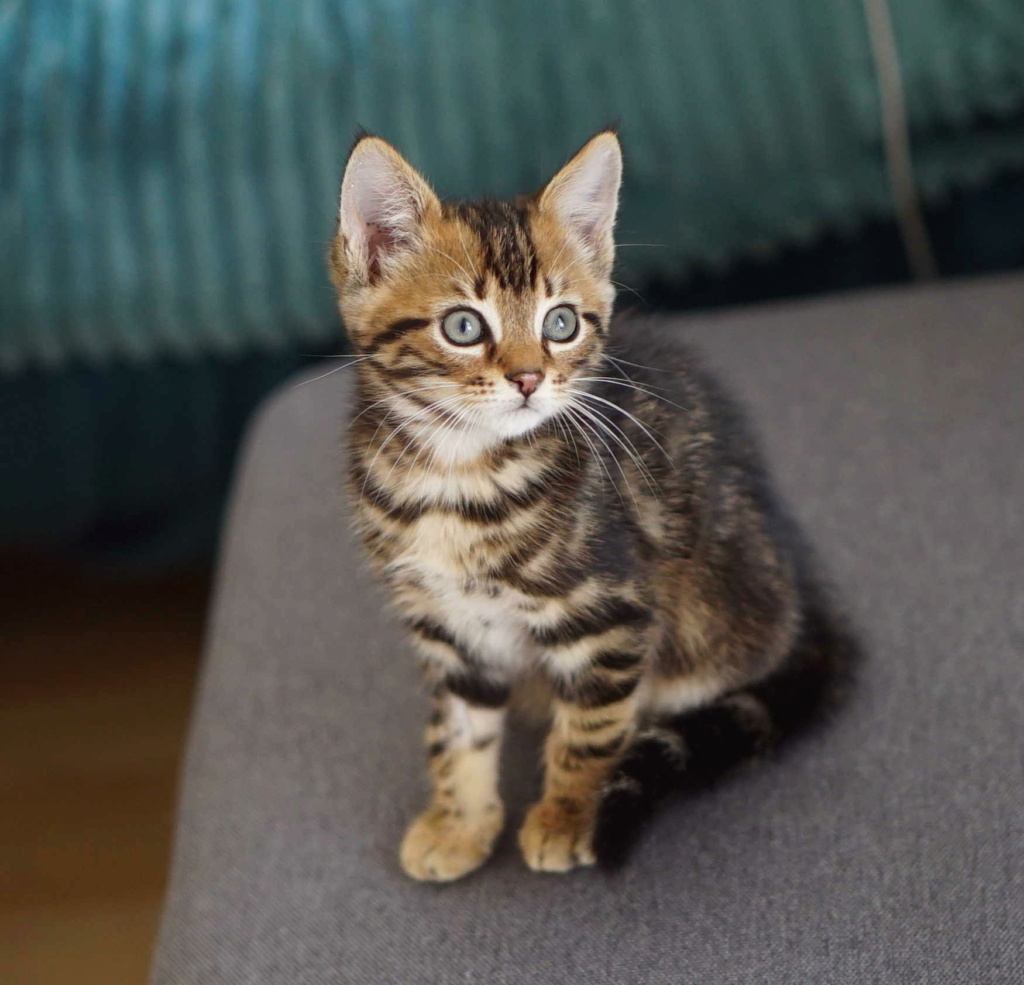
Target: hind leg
x=665 y=697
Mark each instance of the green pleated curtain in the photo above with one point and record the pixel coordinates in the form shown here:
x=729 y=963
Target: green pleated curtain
x=168 y=169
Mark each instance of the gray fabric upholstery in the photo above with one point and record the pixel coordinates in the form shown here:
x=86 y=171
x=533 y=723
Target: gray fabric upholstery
x=887 y=848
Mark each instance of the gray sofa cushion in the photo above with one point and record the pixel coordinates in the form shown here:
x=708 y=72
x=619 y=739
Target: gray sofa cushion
x=886 y=848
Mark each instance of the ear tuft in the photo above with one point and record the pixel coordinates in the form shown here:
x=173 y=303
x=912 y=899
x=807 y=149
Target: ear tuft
x=383 y=204
x=584 y=196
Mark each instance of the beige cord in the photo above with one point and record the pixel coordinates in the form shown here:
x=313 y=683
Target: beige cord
x=896 y=137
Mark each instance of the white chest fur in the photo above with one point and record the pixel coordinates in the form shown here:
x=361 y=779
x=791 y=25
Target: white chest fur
x=441 y=556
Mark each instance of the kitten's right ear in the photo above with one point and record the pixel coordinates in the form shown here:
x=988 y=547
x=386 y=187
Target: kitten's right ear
x=383 y=204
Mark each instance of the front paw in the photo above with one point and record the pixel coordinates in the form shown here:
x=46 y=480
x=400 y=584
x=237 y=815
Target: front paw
x=557 y=836
x=443 y=844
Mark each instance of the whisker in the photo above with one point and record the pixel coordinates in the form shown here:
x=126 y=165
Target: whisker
x=567 y=435
x=647 y=388
x=633 y=456
x=640 y=424
x=630 y=289
x=450 y=426
x=591 y=426
x=377 y=454
x=618 y=369
x=631 y=385
x=570 y=411
x=438 y=409
x=330 y=372
x=626 y=362
x=631 y=451
x=395 y=432
x=574 y=411
x=392 y=396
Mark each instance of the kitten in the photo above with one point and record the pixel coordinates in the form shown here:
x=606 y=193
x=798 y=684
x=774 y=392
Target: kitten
x=537 y=505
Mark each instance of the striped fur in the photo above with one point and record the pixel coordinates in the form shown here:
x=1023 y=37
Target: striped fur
x=609 y=530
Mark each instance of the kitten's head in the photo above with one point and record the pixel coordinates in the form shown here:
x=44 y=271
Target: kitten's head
x=478 y=316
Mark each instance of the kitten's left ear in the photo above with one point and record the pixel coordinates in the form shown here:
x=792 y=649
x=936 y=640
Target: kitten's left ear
x=584 y=196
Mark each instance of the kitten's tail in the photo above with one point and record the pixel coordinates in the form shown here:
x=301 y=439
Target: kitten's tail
x=688 y=753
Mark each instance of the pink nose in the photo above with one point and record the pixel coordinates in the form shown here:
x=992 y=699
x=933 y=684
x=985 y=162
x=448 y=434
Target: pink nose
x=527 y=381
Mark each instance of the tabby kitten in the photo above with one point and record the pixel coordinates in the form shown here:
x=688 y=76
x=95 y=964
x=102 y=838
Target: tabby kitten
x=539 y=506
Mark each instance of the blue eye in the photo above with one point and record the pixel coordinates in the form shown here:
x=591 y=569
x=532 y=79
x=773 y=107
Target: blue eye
x=560 y=324
x=463 y=327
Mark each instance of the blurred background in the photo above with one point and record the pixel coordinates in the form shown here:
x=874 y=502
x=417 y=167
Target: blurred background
x=168 y=179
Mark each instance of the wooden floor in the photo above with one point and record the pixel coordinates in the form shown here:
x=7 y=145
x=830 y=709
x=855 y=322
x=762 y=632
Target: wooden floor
x=97 y=679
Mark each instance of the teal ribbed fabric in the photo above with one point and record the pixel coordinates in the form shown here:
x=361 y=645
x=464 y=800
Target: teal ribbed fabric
x=169 y=168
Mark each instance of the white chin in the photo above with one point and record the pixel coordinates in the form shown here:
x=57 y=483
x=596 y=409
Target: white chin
x=464 y=444
x=518 y=422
